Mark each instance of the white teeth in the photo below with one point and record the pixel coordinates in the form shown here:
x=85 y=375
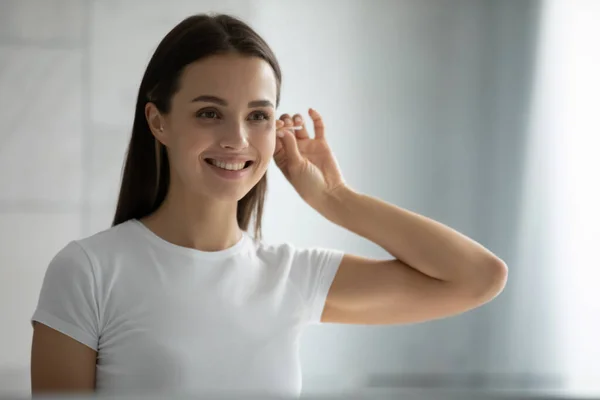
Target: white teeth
x=228 y=166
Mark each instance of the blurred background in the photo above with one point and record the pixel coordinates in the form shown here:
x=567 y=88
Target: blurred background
x=481 y=114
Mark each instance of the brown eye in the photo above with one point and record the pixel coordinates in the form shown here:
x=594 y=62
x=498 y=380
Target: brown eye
x=260 y=116
x=207 y=114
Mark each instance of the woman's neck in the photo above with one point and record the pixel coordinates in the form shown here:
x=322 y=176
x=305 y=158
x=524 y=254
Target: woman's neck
x=202 y=224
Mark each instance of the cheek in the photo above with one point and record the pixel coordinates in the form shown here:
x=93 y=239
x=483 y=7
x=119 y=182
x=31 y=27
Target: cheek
x=186 y=152
x=194 y=142
x=260 y=135
x=266 y=146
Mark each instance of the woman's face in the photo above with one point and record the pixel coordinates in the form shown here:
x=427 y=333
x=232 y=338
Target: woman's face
x=220 y=132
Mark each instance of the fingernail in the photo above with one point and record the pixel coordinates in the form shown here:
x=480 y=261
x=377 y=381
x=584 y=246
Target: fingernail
x=298 y=119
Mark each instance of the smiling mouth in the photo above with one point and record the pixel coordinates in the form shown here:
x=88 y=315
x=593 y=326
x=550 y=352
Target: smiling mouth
x=229 y=166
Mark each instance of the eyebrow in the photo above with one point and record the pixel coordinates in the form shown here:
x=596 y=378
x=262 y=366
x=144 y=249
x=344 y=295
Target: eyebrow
x=217 y=100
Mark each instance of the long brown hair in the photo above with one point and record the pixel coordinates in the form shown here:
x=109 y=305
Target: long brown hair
x=146 y=170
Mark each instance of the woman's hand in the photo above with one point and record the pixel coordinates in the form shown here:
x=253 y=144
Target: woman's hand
x=307 y=163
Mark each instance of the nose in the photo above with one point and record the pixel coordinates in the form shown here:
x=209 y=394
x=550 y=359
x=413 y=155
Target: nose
x=234 y=138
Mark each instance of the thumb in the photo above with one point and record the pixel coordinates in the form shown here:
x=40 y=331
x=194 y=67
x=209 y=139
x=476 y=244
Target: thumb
x=290 y=146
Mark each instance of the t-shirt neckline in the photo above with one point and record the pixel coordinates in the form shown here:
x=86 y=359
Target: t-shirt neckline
x=168 y=246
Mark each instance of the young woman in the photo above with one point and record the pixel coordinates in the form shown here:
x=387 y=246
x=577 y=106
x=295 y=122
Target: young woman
x=177 y=296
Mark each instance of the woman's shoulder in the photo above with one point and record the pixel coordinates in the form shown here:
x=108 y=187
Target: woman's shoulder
x=108 y=241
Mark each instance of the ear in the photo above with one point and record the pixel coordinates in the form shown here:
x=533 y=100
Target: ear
x=156 y=123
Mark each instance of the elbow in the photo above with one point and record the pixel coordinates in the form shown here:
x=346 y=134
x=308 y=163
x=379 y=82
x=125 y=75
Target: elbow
x=488 y=280
x=494 y=275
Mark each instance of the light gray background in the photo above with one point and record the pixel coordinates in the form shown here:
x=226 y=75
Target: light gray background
x=455 y=109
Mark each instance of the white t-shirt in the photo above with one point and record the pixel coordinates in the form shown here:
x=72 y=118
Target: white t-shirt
x=169 y=319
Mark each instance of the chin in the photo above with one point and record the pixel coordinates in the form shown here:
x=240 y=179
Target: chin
x=229 y=196
x=230 y=192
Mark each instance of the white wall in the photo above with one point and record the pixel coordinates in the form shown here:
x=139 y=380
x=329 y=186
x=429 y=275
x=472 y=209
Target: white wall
x=426 y=105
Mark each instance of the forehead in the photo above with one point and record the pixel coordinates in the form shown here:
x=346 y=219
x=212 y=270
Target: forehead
x=235 y=78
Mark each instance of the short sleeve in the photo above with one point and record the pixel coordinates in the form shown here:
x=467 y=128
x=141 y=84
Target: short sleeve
x=313 y=272
x=67 y=301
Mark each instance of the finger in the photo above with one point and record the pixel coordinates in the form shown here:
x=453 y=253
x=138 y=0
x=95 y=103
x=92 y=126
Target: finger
x=300 y=133
x=317 y=123
x=290 y=146
x=287 y=120
x=284 y=124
